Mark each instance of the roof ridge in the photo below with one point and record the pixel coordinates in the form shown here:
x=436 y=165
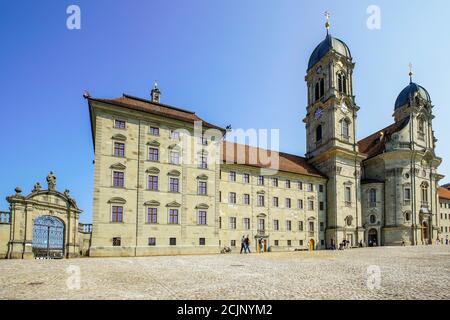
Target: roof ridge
x=156 y=103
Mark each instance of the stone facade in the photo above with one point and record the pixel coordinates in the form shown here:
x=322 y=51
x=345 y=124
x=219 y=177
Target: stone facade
x=381 y=190
x=444 y=215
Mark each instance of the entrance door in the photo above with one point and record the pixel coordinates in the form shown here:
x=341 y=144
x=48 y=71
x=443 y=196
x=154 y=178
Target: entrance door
x=350 y=240
x=311 y=245
x=373 y=238
x=48 y=238
x=425 y=232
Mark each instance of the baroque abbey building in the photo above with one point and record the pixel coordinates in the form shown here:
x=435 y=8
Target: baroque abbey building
x=167 y=182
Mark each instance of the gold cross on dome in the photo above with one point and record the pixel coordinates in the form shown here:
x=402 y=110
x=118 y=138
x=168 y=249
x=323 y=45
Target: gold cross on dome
x=411 y=73
x=327 y=24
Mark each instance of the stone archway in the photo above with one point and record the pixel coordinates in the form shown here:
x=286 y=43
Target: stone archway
x=44 y=223
x=311 y=245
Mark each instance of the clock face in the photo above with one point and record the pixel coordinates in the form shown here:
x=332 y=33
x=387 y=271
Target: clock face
x=318 y=113
x=344 y=107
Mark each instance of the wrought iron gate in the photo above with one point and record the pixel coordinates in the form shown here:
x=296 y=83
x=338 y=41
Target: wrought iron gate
x=48 y=238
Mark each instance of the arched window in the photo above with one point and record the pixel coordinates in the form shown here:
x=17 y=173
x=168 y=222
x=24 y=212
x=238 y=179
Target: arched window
x=345 y=129
x=342 y=83
x=319 y=133
x=373 y=197
x=322 y=87
x=424 y=193
x=421 y=125
x=317 y=92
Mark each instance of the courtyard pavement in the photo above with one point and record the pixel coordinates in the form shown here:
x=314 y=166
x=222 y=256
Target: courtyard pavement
x=368 y=273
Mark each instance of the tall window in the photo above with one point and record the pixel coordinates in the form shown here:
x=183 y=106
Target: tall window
x=246 y=223
x=319 y=133
x=288 y=184
x=300 y=204
x=260 y=200
x=201 y=217
x=153 y=183
x=348 y=196
x=310 y=187
x=119 y=149
x=246 y=178
x=202 y=188
x=421 y=125
x=373 y=197
x=311 y=226
x=153 y=154
x=322 y=87
x=117 y=214
x=407 y=195
x=424 y=194
x=261 y=225
x=345 y=129
x=119 y=124
x=232 y=176
x=232 y=222
x=203 y=161
x=152 y=215
x=246 y=199
x=154 y=131
x=275 y=201
x=174 y=185
x=174 y=135
x=276 y=225
x=288 y=203
x=260 y=180
x=300 y=226
x=174 y=157
x=232 y=197
x=118 y=179
x=317 y=91
x=342 y=83
x=288 y=225
x=311 y=205
x=274 y=182
x=300 y=185
x=173 y=216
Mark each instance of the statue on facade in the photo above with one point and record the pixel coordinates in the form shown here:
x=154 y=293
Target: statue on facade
x=51 y=181
x=37 y=187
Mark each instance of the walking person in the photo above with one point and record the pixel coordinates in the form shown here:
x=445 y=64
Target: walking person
x=247 y=244
x=243 y=244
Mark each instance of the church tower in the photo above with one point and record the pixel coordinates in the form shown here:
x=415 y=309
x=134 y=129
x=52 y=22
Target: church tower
x=331 y=136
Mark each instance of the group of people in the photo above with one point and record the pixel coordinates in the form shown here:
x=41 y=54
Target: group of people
x=245 y=244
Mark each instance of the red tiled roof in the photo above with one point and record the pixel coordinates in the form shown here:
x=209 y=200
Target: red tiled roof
x=252 y=156
x=444 y=193
x=148 y=106
x=373 y=146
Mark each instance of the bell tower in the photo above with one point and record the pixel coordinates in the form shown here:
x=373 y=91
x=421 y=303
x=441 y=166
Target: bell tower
x=331 y=136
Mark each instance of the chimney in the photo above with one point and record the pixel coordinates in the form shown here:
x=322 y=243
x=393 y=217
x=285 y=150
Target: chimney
x=155 y=93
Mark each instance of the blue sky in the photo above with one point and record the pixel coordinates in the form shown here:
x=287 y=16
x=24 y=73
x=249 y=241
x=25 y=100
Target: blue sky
x=233 y=62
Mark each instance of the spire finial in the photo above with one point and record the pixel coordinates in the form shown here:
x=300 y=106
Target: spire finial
x=411 y=73
x=155 y=84
x=327 y=24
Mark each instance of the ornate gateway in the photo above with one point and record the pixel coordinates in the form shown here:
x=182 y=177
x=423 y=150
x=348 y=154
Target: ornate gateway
x=48 y=238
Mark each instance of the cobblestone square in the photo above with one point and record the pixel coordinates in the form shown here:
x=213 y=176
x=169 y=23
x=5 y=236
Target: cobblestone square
x=405 y=273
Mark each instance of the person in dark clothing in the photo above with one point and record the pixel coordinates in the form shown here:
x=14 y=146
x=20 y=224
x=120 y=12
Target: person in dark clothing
x=247 y=244
x=243 y=244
